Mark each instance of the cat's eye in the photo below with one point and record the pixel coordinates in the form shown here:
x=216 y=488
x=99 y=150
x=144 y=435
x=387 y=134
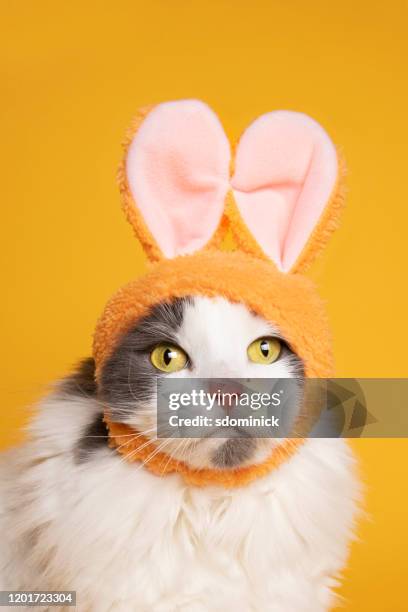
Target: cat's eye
x=168 y=358
x=264 y=350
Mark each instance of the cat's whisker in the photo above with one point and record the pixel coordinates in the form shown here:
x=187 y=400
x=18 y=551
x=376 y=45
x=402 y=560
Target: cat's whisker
x=170 y=458
x=158 y=450
x=134 y=452
x=153 y=454
x=135 y=437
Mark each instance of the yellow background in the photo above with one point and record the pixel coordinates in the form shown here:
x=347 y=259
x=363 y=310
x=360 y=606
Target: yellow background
x=73 y=74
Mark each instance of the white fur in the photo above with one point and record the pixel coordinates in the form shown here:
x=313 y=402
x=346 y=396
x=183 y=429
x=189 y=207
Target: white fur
x=127 y=540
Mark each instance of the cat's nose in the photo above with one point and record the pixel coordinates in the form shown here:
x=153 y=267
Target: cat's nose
x=223 y=369
x=227 y=392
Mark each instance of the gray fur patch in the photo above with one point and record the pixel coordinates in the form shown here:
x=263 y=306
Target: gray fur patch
x=129 y=378
x=82 y=382
x=234 y=452
x=95 y=437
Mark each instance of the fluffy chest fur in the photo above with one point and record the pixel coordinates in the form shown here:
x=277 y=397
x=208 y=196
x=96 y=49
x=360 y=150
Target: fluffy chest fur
x=125 y=539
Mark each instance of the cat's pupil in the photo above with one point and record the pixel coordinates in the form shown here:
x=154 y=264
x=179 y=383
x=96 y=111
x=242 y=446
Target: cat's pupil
x=265 y=348
x=167 y=356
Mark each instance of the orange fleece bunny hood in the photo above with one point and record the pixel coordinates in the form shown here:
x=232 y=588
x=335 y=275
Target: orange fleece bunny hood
x=182 y=189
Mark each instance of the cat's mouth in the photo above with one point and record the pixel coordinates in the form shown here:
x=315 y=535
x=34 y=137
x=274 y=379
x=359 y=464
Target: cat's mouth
x=228 y=431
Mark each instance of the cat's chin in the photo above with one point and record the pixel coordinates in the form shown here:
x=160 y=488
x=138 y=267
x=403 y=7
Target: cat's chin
x=223 y=453
x=234 y=452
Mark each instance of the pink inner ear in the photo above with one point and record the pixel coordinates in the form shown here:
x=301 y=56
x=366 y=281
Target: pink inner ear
x=285 y=170
x=177 y=170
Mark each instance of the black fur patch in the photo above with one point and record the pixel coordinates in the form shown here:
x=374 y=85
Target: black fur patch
x=95 y=437
x=129 y=378
x=81 y=384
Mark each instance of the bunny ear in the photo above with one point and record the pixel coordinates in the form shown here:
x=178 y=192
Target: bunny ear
x=174 y=178
x=286 y=188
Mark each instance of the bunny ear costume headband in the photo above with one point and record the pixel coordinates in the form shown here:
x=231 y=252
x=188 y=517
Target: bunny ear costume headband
x=182 y=188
